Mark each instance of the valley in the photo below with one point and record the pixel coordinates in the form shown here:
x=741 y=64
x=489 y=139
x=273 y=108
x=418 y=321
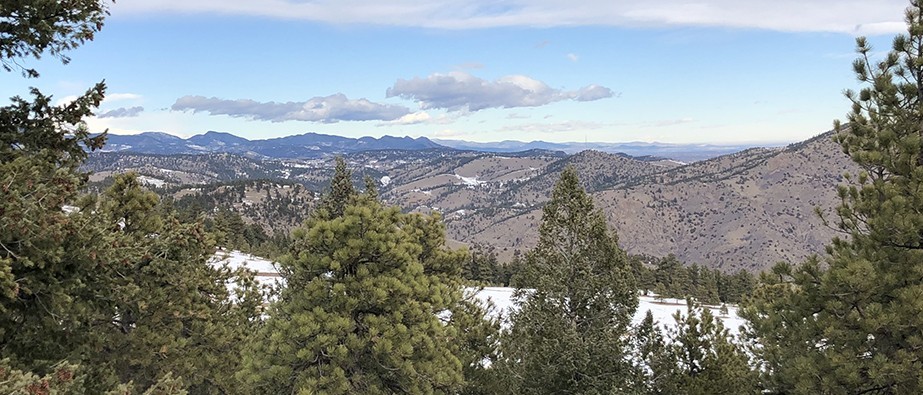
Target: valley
x=741 y=211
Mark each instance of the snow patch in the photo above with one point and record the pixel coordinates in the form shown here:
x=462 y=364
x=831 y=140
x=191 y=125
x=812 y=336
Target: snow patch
x=151 y=181
x=267 y=273
x=470 y=181
x=661 y=309
x=385 y=181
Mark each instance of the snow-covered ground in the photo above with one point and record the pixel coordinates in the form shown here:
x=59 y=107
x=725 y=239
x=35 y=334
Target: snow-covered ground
x=470 y=181
x=152 y=181
x=662 y=310
x=267 y=273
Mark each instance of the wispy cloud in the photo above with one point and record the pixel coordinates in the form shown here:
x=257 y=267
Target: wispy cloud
x=572 y=57
x=116 y=97
x=567 y=126
x=668 y=122
x=459 y=91
x=448 y=133
x=844 y=16
x=421 y=117
x=514 y=115
x=327 y=109
x=122 y=112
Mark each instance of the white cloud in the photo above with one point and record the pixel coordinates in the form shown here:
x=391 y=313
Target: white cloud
x=459 y=91
x=410 y=119
x=122 y=112
x=572 y=57
x=422 y=117
x=328 y=109
x=447 y=133
x=110 y=98
x=844 y=16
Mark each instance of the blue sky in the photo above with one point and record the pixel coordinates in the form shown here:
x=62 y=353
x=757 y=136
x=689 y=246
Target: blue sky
x=681 y=71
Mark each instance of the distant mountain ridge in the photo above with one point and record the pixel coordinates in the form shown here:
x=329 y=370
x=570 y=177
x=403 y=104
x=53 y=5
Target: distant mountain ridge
x=746 y=210
x=317 y=145
x=680 y=152
x=308 y=145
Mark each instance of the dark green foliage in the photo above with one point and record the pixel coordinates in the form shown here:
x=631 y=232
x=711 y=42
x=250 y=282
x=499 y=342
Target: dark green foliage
x=130 y=295
x=341 y=192
x=30 y=28
x=569 y=335
x=851 y=323
x=43 y=130
x=165 y=297
x=361 y=309
x=482 y=267
x=68 y=379
x=698 y=356
x=119 y=285
x=669 y=278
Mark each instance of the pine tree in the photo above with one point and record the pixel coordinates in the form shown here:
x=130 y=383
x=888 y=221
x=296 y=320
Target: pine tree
x=69 y=379
x=851 y=323
x=341 y=193
x=704 y=359
x=31 y=28
x=168 y=309
x=651 y=351
x=569 y=334
x=360 y=312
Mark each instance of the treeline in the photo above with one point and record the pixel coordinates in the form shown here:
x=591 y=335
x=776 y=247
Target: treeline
x=666 y=277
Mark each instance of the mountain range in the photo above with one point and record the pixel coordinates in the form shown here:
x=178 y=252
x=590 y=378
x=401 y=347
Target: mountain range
x=746 y=210
x=308 y=145
x=315 y=145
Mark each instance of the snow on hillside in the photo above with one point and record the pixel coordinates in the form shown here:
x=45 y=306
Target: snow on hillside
x=267 y=273
x=662 y=310
x=470 y=181
x=151 y=181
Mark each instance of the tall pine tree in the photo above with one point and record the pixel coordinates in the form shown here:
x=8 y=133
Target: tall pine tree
x=851 y=323
x=697 y=357
x=569 y=334
x=361 y=311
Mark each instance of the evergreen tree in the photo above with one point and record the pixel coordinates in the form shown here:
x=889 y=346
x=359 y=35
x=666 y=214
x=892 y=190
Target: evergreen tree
x=651 y=352
x=851 y=323
x=31 y=28
x=68 y=379
x=70 y=283
x=701 y=357
x=360 y=312
x=569 y=334
x=341 y=193
x=167 y=310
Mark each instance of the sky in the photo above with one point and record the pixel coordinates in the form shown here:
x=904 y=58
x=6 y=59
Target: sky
x=673 y=71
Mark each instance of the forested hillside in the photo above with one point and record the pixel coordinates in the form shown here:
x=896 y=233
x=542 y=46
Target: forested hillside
x=108 y=287
x=741 y=211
